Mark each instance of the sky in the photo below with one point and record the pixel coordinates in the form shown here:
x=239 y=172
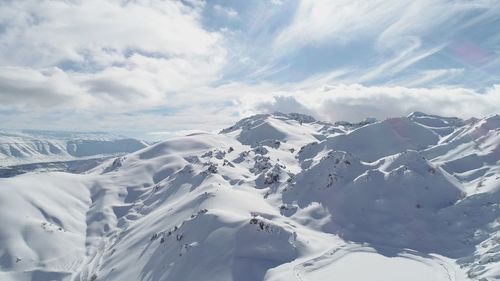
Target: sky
x=155 y=69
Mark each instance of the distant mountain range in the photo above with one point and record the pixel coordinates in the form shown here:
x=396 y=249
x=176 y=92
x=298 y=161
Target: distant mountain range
x=31 y=146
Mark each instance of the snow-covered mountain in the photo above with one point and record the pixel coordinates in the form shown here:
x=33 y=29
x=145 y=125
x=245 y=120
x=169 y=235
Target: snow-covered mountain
x=31 y=146
x=274 y=197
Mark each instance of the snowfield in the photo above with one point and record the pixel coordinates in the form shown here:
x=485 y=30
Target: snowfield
x=274 y=197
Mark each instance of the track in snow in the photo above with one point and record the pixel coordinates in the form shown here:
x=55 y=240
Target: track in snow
x=355 y=262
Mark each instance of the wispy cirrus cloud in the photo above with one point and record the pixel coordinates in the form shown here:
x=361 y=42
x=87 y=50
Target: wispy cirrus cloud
x=379 y=40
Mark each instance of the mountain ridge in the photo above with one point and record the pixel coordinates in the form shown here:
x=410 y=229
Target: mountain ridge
x=273 y=197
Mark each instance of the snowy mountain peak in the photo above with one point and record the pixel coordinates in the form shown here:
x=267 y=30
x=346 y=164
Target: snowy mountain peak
x=439 y=124
x=490 y=123
x=255 y=120
x=268 y=129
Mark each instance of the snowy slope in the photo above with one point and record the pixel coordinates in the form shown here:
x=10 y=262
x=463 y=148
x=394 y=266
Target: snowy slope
x=30 y=146
x=274 y=197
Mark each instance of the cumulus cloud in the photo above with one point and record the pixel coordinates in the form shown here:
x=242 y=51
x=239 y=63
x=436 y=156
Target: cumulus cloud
x=123 y=54
x=210 y=109
x=284 y=104
x=355 y=102
x=25 y=87
x=43 y=33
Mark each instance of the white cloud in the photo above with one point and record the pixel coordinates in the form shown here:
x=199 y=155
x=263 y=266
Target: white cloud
x=404 y=58
x=356 y=102
x=398 y=34
x=431 y=76
x=117 y=55
x=43 y=33
x=141 y=83
x=227 y=11
x=318 y=21
x=284 y=104
x=389 y=21
x=35 y=89
x=213 y=108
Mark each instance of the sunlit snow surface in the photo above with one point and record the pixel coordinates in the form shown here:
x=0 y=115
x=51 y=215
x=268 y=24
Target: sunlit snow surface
x=274 y=197
x=363 y=263
x=375 y=267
